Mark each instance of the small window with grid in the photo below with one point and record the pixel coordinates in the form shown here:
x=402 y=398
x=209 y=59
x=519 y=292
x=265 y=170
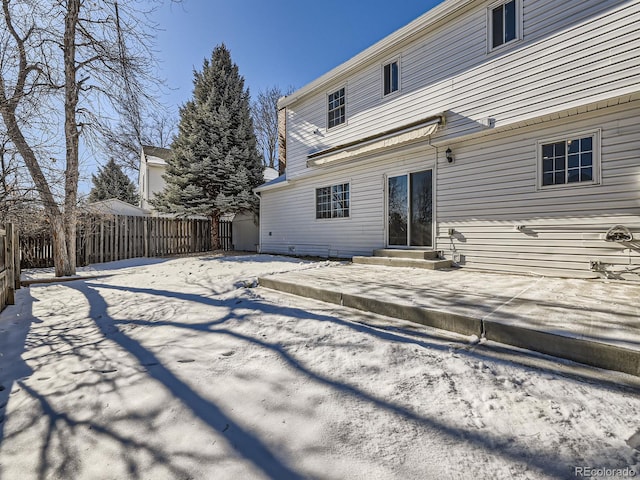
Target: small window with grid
x=336 y=109
x=568 y=161
x=333 y=201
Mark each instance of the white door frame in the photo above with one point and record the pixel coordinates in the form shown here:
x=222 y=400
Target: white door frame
x=429 y=166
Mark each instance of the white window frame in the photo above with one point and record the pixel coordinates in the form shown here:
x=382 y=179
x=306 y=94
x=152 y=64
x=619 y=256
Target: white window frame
x=331 y=187
x=596 y=179
x=328 y=94
x=518 y=26
x=390 y=61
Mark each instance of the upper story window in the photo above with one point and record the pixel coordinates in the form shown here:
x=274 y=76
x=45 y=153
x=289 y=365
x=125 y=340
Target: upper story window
x=336 y=110
x=572 y=160
x=391 y=77
x=333 y=201
x=504 y=23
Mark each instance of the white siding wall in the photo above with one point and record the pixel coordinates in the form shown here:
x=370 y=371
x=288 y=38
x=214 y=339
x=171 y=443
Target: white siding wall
x=142 y=181
x=489 y=188
x=492 y=186
x=152 y=183
x=156 y=182
x=576 y=69
x=288 y=217
x=572 y=53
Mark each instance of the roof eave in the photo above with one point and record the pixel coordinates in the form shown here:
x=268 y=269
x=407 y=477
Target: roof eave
x=431 y=17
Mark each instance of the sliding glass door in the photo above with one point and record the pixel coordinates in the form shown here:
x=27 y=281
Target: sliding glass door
x=410 y=209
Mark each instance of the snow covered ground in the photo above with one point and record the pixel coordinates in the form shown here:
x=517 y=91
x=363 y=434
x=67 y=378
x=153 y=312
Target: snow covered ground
x=180 y=369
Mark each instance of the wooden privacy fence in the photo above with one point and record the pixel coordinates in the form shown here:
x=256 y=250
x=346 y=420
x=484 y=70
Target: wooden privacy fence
x=9 y=265
x=105 y=238
x=225 y=230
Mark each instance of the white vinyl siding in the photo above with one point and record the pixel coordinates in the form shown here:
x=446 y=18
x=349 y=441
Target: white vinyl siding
x=492 y=188
x=489 y=190
x=573 y=71
x=286 y=229
x=584 y=52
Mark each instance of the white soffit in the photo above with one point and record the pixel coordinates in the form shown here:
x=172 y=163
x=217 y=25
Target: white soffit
x=357 y=149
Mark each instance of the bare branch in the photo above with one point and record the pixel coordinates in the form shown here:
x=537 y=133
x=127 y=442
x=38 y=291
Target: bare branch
x=66 y=66
x=264 y=113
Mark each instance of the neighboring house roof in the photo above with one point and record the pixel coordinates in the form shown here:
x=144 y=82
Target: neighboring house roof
x=270 y=174
x=387 y=44
x=114 y=206
x=156 y=155
x=275 y=183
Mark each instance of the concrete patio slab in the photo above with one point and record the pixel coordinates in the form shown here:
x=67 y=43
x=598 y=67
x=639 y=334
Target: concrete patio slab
x=595 y=322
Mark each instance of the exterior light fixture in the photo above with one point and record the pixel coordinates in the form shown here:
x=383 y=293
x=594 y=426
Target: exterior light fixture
x=449 y=154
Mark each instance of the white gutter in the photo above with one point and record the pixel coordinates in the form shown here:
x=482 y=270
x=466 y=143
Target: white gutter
x=274 y=186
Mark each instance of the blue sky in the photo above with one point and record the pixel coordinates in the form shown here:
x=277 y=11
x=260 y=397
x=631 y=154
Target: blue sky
x=273 y=42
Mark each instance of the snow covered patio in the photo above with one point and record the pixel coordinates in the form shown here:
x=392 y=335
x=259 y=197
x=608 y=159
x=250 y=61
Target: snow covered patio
x=179 y=369
x=596 y=322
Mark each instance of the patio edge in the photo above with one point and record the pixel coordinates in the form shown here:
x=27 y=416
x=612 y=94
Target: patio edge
x=588 y=352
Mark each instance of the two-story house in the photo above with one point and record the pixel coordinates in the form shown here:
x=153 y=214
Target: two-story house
x=503 y=134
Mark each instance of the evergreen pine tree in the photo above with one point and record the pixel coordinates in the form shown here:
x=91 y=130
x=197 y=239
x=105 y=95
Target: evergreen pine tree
x=214 y=163
x=111 y=182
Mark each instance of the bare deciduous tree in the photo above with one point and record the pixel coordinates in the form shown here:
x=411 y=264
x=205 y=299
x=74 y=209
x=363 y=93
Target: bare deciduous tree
x=18 y=199
x=264 y=111
x=124 y=139
x=71 y=62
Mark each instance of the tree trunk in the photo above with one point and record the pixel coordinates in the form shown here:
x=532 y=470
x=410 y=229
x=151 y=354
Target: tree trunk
x=61 y=257
x=72 y=134
x=54 y=215
x=64 y=264
x=215 y=226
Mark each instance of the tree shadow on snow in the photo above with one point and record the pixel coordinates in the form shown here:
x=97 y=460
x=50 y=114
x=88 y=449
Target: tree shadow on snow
x=251 y=447
x=15 y=324
x=240 y=439
x=59 y=447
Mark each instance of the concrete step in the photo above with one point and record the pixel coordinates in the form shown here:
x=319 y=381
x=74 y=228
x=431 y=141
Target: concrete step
x=396 y=253
x=403 y=262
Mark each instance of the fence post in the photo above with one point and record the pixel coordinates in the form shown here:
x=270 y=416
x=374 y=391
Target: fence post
x=146 y=237
x=9 y=259
x=15 y=242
